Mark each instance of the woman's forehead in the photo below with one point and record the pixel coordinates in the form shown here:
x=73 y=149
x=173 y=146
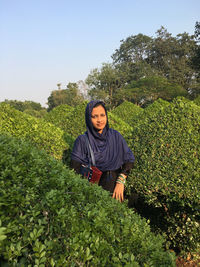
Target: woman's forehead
x=98 y=109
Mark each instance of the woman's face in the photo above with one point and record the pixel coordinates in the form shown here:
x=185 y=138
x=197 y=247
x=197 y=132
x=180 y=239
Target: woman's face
x=99 y=118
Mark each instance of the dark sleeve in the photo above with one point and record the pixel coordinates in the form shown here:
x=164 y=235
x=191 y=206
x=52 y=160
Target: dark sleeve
x=75 y=165
x=126 y=168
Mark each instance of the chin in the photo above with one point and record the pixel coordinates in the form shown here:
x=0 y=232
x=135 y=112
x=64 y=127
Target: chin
x=99 y=129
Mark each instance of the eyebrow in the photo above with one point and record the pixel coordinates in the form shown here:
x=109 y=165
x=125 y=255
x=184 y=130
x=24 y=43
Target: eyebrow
x=98 y=114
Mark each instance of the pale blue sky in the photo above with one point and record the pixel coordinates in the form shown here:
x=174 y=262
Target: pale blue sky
x=45 y=42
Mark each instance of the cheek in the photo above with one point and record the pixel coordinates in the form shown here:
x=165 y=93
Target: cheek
x=93 y=121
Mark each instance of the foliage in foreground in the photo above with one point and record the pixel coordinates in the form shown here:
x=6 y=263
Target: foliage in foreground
x=166 y=179
x=42 y=134
x=52 y=217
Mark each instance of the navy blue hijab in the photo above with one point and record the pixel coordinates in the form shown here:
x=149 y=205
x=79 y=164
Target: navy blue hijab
x=110 y=149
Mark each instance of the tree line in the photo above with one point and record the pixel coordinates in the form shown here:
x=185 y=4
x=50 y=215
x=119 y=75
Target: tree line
x=142 y=70
x=147 y=68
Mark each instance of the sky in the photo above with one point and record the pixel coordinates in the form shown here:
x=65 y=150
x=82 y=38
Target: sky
x=46 y=42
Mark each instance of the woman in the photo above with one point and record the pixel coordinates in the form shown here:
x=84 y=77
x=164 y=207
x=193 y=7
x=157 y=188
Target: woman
x=112 y=155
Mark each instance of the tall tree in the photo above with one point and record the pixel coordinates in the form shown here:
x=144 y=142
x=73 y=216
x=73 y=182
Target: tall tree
x=171 y=56
x=23 y=105
x=195 y=89
x=164 y=55
x=132 y=57
x=104 y=82
x=74 y=97
x=134 y=49
x=70 y=96
x=196 y=59
x=147 y=90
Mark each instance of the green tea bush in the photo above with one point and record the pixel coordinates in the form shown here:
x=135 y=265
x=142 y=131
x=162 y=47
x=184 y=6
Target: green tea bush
x=153 y=108
x=75 y=120
x=157 y=105
x=127 y=111
x=197 y=100
x=52 y=217
x=41 y=133
x=59 y=116
x=121 y=126
x=36 y=113
x=166 y=178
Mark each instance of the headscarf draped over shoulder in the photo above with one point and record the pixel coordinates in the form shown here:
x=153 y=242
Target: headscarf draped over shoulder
x=110 y=149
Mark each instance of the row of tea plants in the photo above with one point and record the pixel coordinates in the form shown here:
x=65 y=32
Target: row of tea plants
x=52 y=217
x=164 y=184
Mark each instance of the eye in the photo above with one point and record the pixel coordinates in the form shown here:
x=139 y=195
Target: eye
x=103 y=115
x=94 y=116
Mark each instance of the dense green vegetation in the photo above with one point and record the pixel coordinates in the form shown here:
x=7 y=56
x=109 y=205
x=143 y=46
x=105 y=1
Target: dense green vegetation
x=73 y=121
x=60 y=116
x=29 y=107
x=197 y=100
x=127 y=111
x=48 y=217
x=163 y=186
x=70 y=96
x=151 y=89
x=166 y=178
x=42 y=134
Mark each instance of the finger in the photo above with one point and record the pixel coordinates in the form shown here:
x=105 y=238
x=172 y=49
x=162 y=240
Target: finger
x=119 y=197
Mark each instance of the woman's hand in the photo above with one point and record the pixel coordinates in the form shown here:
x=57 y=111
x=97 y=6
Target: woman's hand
x=119 y=192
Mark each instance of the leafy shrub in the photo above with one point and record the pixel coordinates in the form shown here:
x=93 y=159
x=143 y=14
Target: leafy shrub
x=157 y=105
x=74 y=123
x=166 y=178
x=36 y=113
x=51 y=217
x=145 y=113
x=197 y=100
x=118 y=124
x=42 y=134
x=59 y=116
x=153 y=108
x=127 y=111
x=25 y=105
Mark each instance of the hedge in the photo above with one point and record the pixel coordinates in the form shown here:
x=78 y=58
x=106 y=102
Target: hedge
x=121 y=126
x=59 y=116
x=127 y=111
x=72 y=122
x=197 y=100
x=52 y=217
x=36 y=113
x=135 y=115
x=165 y=184
x=157 y=105
x=41 y=133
